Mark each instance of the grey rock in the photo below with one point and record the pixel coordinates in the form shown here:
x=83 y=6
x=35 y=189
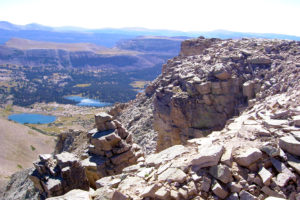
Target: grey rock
x=20 y=187
x=73 y=195
x=69 y=175
x=244 y=195
x=227 y=157
x=233 y=196
x=247 y=158
x=66 y=159
x=265 y=176
x=173 y=175
x=221 y=72
x=248 y=89
x=119 y=196
x=296 y=134
x=204 y=88
x=235 y=187
x=220 y=191
x=282 y=168
x=283 y=178
x=205 y=184
x=166 y=155
x=150 y=190
x=290 y=144
x=296 y=120
x=259 y=60
x=162 y=193
x=221 y=172
x=271 y=192
x=294 y=163
x=274 y=198
x=101 y=120
x=270 y=150
x=209 y=156
x=103 y=193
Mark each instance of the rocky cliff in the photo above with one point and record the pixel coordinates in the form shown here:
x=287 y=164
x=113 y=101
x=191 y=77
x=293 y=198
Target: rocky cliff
x=225 y=118
x=256 y=156
x=212 y=80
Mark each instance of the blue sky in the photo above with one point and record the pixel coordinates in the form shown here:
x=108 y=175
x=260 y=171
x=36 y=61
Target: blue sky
x=263 y=16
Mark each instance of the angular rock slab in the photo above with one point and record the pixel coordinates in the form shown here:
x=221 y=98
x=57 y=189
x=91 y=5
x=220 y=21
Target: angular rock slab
x=73 y=195
x=221 y=172
x=265 y=176
x=208 y=157
x=173 y=174
x=247 y=158
x=244 y=195
x=219 y=191
x=294 y=163
x=165 y=155
x=290 y=144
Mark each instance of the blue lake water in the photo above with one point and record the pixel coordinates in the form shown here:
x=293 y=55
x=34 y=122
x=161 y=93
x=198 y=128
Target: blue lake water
x=31 y=118
x=83 y=101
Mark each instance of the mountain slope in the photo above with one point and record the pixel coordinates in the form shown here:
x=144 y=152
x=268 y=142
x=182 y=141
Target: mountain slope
x=22 y=52
x=188 y=100
x=20 y=146
x=227 y=118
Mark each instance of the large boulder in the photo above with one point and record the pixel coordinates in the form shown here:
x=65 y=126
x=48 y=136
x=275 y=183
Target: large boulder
x=56 y=175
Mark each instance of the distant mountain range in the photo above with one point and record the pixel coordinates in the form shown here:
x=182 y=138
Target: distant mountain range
x=138 y=53
x=109 y=37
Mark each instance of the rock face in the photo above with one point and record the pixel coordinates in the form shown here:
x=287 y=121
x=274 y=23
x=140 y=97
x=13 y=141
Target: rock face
x=212 y=80
x=226 y=113
x=205 y=152
x=137 y=117
x=56 y=175
x=241 y=161
x=20 y=187
x=110 y=150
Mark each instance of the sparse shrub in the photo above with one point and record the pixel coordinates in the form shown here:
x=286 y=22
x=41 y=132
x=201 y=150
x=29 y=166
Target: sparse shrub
x=32 y=148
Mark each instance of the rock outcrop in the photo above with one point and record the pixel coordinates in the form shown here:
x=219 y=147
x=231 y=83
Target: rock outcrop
x=137 y=118
x=20 y=187
x=75 y=141
x=56 y=175
x=227 y=116
x=245 y=160
x=213 y=80
x=110 y=150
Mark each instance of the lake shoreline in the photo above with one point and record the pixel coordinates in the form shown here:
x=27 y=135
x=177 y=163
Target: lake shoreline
x=32 y=118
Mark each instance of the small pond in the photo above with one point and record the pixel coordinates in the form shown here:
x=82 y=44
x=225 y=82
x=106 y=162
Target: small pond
x=83 y=101
x=31 y=118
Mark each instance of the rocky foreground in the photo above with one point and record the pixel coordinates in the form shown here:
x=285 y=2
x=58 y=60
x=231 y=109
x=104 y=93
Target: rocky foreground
x=224 y=116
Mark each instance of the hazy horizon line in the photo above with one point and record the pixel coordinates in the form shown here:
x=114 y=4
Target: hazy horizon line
x=144 y=28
